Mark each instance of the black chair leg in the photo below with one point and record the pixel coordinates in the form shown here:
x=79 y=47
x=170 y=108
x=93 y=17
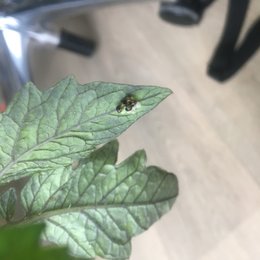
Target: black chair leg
x=77 y=44
x=228 y=58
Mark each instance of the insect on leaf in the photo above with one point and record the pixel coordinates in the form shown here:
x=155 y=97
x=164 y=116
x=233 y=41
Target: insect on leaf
x=46 y=130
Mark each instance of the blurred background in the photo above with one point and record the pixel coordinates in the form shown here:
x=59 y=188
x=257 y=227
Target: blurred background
x=207 y=132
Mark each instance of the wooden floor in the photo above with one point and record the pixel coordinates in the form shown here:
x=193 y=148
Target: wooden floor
x=207 y=133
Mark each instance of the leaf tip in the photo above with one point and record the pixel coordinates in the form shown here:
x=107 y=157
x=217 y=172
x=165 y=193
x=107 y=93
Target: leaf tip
x=113 y=145
x=165 y=92
x=142 y=157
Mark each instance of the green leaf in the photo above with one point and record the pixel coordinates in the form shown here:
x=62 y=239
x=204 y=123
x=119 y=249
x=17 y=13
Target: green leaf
x=7 y=204
x=98 y=207
x=20 y=243
x=42 y=131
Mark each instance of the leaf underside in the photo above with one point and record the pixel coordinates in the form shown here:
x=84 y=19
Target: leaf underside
x=46 y=130
x=98 y=207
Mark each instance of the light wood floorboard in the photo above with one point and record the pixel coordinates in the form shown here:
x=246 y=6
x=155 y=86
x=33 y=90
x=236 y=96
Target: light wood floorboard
x=207 y=133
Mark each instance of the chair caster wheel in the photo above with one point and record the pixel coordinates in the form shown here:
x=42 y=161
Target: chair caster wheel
x=181 y=13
